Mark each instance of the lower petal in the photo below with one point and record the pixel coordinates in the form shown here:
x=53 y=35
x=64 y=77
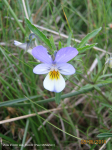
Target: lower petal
x=54 y=85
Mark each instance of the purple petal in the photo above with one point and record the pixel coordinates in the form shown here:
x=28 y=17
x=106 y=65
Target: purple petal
x=42 y=69
x=65 y=54
x=65 y=68
x=40 y=53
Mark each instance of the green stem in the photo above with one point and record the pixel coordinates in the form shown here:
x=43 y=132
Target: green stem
x=86 y=79
x=82 y=91
x=57 y=97
x=14 y=16
x=103 y=96
x=99 y=74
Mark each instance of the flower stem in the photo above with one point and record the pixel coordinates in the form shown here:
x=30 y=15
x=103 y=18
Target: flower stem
x=16 y=104
x=57 y=97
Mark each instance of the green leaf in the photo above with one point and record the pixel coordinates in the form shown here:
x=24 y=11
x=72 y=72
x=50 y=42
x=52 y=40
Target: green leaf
x=88 y=36
x=93 y=146
x=105 y=81
x=106 y=105
x=105 y=68
x=105 y=75
x=8 y=7
x=25 y=134
x=11 y=102
x=87 y=86
x=8 y=139
x=52 y=43
x=57 y=97
x=32 y=62
x=104 y=135
x=85 y=48
x=1 y=5
x=99 y=63
x=39 y=33
x=59 y=45
x=84 y=90
x=78 y=58
x=97 y=88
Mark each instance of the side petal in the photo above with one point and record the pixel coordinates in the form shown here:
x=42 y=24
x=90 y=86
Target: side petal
x=42 y=68
x=19 y=44
x=66 y=69
x=65 y=54
x=40 y=53
x=55 y=85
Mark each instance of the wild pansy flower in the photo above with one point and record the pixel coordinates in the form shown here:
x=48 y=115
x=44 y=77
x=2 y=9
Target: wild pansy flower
x=54 y=81
x=28 y=45
x=109 y=61
x=23 y=46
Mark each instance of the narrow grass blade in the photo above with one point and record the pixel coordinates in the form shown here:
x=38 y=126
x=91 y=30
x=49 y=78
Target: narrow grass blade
x=85 y=48
x=14 y=15
x=52 y=43
x=82 y=91
x=104 y=135
x=8 y=139
x=88 y=36
x=106 y=105
x=59 y=45
x=25 y=133
x=39 y=33
x=11 y=102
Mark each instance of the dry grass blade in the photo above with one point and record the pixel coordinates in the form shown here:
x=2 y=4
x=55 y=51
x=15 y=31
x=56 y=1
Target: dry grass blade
x=57 y=140
x=62 y=35
x=105 y=144
x=30 y=115
x=23 y=1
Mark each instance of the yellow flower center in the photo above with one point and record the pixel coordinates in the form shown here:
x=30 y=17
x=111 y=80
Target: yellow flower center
x=54 y=75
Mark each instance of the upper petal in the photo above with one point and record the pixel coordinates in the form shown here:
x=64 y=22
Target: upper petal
x=42 y=68
x=40 y=53
x=65 y=54
x=65 y=68
x=54 y=85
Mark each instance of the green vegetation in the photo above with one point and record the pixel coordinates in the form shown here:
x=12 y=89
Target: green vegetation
x=83 y=110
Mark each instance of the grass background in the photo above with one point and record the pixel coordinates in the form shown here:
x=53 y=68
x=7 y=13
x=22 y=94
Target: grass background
x=88 y=117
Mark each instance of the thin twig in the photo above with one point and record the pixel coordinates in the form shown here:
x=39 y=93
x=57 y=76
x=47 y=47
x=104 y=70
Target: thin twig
x=62 y=35
x=63 y=128
x=25 y=9
x=101 y=148
x=30 y=115
x=57 y=140
x=77 y=103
